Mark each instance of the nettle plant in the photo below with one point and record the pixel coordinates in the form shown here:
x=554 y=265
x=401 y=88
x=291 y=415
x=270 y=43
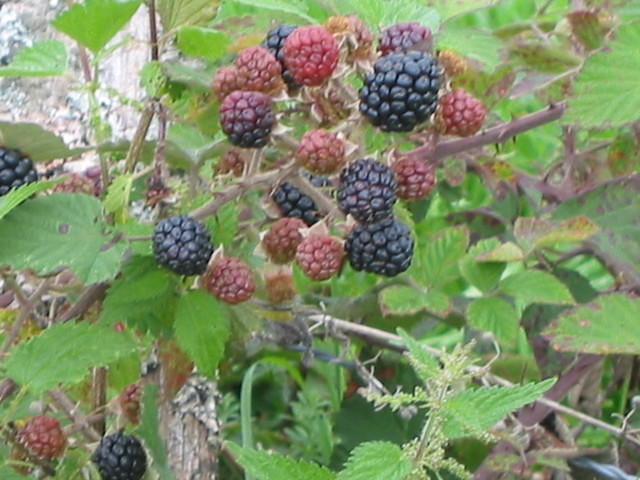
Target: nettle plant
x=348 y=240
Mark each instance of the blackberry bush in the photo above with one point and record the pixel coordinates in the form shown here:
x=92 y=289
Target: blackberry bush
x=116 y=311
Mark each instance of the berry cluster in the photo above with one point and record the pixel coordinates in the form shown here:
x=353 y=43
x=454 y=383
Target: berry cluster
x=405 y=85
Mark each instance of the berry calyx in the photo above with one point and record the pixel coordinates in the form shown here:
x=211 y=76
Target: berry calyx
x=76 y=183
x=404 y=36
x=246 y=118
x=384 y=248
x=359 y=37
x=129 y=402
x=259 y=71
x=120 y=457
x=282 y=239
x=321 y=152
x=16 y=170
x=182 y=244
x=460 y=114
x=401 y=92
x=231 y=162
x=42 y=436
x=225 y=81
x=279 y=286
x=320 y=256
x=452 y=63
x=274 y=42
x=230 y=280
x=415 y=179
x=367 y=190
x=310 y=54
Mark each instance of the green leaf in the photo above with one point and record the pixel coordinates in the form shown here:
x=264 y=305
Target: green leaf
x=202 y=330
x=439 y=255
x=95 y=22
x=472 y=412
x=36 y=142
x=423 y=362
x=605 y=92
x=533 y=233
x=608 y=325
x=144 y=295
x=472 y=43
x=536 y=286
x=61 y=230
x=149 y=431
x=178 y=13
x=202 y=42
x=448 y=8
x=496 y=315
x=225 y=226
x=543 y=57
x=376 y=461
x=264 y=466
x=63 y=353
x=482 y=275
x=117 y=198
x=614 y=207
x=15 y=197
x=401 y=300
x=43 y=59
x=505 y=252
x=387 y=13
x=8 y=473
x=291 y=7
x=194 y=78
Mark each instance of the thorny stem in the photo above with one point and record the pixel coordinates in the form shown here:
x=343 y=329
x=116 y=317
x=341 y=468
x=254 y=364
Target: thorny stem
x=394 y=342
x=497 y=134
x=67 y=406
x=153 y=29
x=138 y=138
x=27 y=306
x=238 y=189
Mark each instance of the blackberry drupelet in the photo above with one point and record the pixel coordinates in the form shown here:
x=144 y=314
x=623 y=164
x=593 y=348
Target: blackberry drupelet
x=120 y=457
x=274 y=42
x=293 y=203
x=367 y=190
x=401 y=92
x=384 y=248
x=182 y=244
x=16 y=169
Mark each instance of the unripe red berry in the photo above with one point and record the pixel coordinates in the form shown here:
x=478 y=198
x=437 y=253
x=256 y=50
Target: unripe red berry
x=230 y=280
x=320 y=256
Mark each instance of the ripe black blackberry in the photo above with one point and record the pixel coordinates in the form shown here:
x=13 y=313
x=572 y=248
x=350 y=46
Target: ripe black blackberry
x=401 y=92
x=293 y=203
x=274 y=42
x=367 y=190
x=384 y=248
x=16 y=169
x=182 y=244
x=120 y=457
